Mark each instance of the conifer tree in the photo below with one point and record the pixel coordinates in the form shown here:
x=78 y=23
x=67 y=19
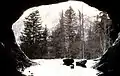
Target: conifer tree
x=31 y=35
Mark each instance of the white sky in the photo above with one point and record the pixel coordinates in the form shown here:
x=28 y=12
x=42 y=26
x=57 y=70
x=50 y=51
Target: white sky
x=50 y=14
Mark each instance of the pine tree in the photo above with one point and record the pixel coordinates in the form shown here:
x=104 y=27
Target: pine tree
x=64 y=35
x=98 y=36
x=31 y=35
x=93 y=43
x=58 y=39
x=58 y=44
x=44 y=36
x=70 y=21
x=104 y=29
x=80 y=33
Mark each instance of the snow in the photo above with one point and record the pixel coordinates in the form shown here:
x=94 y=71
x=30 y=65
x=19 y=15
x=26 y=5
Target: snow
x=55 y=67
x=117 y=40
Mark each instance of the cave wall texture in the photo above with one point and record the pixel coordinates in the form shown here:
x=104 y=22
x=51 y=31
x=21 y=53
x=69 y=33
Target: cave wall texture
x=11 y=10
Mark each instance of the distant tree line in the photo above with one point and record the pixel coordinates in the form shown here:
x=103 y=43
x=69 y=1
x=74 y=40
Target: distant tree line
x=73 y=37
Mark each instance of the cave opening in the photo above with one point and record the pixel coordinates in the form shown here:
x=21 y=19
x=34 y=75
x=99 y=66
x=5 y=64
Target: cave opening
x=88 y=37
x=11 y=54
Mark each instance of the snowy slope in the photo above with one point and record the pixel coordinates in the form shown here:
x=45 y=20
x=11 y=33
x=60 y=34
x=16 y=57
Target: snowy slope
x=55 y=67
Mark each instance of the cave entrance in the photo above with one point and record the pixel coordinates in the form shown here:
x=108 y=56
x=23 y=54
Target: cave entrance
x=70 y=29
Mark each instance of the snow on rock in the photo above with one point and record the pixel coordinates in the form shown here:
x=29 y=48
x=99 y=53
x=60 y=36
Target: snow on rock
x=55 y=67
x=117 y=40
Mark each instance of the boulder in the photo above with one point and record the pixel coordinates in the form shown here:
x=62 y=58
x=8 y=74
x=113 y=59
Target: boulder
x=68 y=62
x=81 y=63
x=72 y=66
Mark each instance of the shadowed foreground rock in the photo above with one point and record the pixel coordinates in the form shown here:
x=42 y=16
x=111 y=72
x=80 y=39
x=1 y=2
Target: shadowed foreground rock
x=109 y=64
x=12 y=58
x=8 y=63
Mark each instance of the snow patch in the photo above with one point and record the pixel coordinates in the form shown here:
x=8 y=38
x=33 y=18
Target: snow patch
x=55 y=67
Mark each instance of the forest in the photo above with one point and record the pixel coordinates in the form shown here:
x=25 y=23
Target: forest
x=75 y=36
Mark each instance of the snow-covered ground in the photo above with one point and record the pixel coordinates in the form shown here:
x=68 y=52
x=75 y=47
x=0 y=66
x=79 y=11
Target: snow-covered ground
x=55 y=67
